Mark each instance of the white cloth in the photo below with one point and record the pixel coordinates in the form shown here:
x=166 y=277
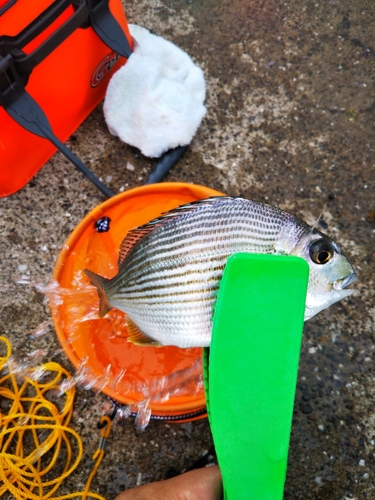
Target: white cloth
x=155 y=101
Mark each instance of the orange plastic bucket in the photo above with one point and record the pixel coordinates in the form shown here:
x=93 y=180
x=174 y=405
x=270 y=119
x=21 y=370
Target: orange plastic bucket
x=165 y=377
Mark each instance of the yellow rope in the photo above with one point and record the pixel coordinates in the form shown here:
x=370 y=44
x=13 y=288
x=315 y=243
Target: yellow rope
x=99 y=454
x=35 y=434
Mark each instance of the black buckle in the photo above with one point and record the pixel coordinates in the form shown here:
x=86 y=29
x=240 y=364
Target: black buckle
x=11 y=83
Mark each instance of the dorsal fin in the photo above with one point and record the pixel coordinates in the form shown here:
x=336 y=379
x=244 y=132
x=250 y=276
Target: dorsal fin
x=314 y=226
x=131 y=239
x=137 y=234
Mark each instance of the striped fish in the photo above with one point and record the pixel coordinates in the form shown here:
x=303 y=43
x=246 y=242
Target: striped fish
x=170 y=269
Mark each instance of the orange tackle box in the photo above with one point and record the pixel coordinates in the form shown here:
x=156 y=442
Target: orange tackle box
x=56 y=58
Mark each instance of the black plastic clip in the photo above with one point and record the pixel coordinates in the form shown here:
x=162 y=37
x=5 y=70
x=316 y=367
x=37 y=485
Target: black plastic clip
x=111 y=416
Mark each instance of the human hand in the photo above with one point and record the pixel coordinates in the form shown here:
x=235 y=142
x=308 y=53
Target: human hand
x=199 y=484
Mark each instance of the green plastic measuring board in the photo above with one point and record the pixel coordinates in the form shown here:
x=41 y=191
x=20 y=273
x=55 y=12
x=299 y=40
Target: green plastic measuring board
x=251 y=371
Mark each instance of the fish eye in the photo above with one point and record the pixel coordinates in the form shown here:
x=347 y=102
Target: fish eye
x=321 y=251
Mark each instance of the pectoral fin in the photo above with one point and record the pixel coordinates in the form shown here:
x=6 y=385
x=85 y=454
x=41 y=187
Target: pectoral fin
x=137 y=337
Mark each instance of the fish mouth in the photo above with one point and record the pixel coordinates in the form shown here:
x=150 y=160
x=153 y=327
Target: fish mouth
x=343 y=283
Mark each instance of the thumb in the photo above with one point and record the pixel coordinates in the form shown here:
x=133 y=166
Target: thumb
x=200 y=484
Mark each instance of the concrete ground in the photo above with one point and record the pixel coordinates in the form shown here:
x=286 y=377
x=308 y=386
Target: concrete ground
x=290 y=121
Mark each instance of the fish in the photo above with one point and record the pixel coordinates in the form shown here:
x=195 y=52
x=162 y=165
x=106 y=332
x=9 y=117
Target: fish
x=169 y=270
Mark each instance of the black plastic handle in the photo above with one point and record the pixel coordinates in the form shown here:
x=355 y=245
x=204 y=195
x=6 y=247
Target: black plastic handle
x=39 y=24
x=86 y=12
x=26 y=62
x=170 y=158
x=7 y=6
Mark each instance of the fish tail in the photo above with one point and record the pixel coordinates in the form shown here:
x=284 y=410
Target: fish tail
x=99 y=282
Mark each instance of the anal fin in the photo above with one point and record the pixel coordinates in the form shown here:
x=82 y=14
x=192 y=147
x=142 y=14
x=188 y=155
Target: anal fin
x=137 y=337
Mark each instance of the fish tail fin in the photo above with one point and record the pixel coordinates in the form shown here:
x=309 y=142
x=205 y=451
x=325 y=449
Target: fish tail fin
x=99 y=282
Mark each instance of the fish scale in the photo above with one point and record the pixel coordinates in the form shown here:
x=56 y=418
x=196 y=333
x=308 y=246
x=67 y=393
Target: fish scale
x=168 y=279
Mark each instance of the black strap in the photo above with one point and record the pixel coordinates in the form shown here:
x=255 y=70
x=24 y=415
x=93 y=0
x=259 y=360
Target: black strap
x=107 y=28
x=27 y=112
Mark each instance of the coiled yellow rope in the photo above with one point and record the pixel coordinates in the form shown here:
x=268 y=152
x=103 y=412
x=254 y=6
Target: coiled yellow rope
x=35 y=434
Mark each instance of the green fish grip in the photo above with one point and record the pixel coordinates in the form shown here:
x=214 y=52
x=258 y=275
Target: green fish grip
x=250 y=371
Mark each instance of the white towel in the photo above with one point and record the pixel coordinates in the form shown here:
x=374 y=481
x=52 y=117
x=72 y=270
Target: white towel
x=155 y=101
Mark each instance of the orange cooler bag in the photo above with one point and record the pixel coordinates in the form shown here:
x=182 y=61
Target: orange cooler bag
x=56 y=58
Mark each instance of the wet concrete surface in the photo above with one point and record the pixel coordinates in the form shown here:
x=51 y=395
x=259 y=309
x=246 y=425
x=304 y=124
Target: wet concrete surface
x=290 y=121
